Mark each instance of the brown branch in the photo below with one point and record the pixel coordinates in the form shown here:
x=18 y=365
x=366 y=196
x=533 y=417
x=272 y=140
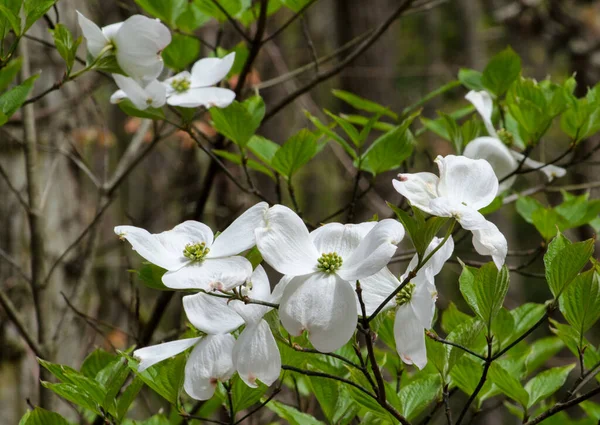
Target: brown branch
x=325 y=75
x=559 y=407
x=16 y=319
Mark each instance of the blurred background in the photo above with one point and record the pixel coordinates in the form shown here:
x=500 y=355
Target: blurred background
x=82 y=138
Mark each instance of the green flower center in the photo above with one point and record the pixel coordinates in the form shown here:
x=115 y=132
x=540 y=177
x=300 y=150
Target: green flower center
x=196 y=251
x=405 y=295
x=329 y=262
x=506 y=137
x=180 y=85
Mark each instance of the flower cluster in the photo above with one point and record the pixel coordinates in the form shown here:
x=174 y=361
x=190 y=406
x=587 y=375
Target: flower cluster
x=137 y=44
x=322 y=270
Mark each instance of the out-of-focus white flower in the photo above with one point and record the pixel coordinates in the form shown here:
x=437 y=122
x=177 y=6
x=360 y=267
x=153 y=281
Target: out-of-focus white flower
x=152 y=94
x=464 y=186
x=415 y=303
x=190 y=90
x=503 y=160
x=320 y=269
x=193 y=257
x=137 y=44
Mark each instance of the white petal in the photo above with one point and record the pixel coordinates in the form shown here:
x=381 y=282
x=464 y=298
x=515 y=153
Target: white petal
x=211 y=314
x=188 y=232
x=280 y=288
x=423 y=299
x=468 y=218
x=209 y=362
x=96 y=40
x=209 y=71
x=118 y=96
x=340 y=238
x=437 y=260
x=239 y=236
x=157 y=92
x=260 y=289
x=149 y=356
x=140 y=40
x=465 y=180
x=322 y=304
x=497 y=154
x=111 y=30
x=134 y=91
x=210 y=274
x=205 y=96
x=490 y=241
x=150 y=247
x=285 y=244
x=482 y=101
x=410 y=337
x=256 y=356
x=550 y=171
x=374 y=251
x=418 y=188
x=376 y=288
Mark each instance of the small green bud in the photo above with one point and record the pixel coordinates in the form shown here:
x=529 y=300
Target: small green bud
x=329 y=262
x=196 y=252
x=405 y=295
x=506 y=137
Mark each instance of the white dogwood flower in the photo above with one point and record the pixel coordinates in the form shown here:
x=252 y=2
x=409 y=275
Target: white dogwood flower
x=217 y=356
x=464 y=186
x=414 y=304
x=503 y=160
x=137 y=44
x=153 y=94
x=194 y=89
x=193 y=257
x=322 y=267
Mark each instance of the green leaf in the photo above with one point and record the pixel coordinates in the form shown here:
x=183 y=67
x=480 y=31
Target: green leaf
x=501 y=71
x=295 y=153
x=74 y=394
x=389 y=151
x=291 y=414
x=452 y=317
x=417 y=395
x=363 y=104
x=165 y=10
x=181 y=52
x=40 y=416
x=150 y=113
x=10 y=17
x=484 y=290
x=471 y=79
x=541 y=351
x=9 y=72
x=96 y=361
x=469 y=335
x=508 y=384
x=166 y=378
x=66 y=45
x=466 y=376
x=575 y=343
x=128 y=396
x=34 y=10
x=151 y=276
x=580 y=302
x=348 y=128
x=528 y=104
x=546 y=221
x=263 y=148
x=547 y=383
x=334 y=399
x=12 y=99
x=112 y=378
x=526 y=206
x=526 y=315
x=237 y=122
x=566 y=264
x=332 y=135
x=80 y=383
x=243 y=396
x=237 y=159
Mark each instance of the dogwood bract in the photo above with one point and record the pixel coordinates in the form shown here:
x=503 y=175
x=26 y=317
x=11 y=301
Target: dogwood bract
x=503 y=160
x=153 y=94
x=137 y=44
x=218 y=355
x=415 y=303
x=193 y=257
x=194 y=89
x=464 y=186
x=321 y=268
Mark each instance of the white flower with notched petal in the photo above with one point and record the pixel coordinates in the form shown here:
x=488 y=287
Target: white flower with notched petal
x=191 y=256
x=414 y=304
x=137 y=44
x=191 y=90
x=503 y=160
x=216 y=357
x=153 y=94
x=464 y=186
x=321 y=267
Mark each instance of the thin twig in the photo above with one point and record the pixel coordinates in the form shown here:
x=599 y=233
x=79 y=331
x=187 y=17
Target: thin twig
x=233 y=22
x=480 y=384
x=14 y=265
x=13 y=189
x=16 y=319
x=559 y=407
x=297 y=15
